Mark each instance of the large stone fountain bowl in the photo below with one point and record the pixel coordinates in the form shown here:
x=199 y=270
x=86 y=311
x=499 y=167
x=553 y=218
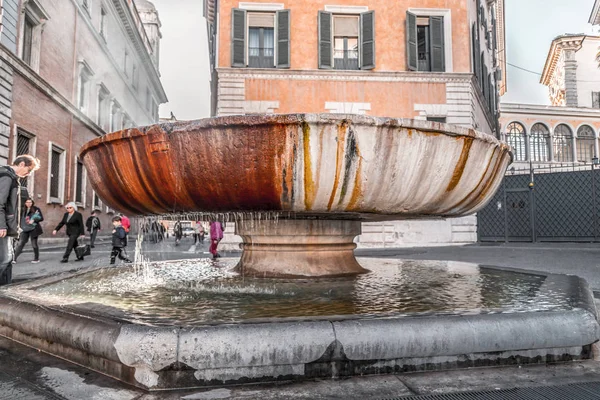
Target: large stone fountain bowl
x=326 y=165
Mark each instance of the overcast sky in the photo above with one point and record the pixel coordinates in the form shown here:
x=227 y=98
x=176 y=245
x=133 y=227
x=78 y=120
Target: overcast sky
x=530 y=27
x=184 y=59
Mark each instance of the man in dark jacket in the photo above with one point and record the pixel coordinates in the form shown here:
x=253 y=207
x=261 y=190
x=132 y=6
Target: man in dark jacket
x=93 y=226
x=10 y=192
x=119 y=241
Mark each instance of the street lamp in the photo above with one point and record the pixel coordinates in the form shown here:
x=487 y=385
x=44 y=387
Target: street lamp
x=595 y=161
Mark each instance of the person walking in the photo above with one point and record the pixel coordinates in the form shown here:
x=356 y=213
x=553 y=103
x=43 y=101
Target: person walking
x=30 y=228
x=74 y=222
x=199 y=232
x=119 y=241
x=10 y=193
x=216 y=235
x=178 y=232
x=93 y=226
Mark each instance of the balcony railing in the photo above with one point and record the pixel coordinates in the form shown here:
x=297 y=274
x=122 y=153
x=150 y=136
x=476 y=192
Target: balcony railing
x=261 y=57
x=345 y=59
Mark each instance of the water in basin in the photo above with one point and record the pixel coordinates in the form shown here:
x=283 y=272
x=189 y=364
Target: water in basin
x=201 y=291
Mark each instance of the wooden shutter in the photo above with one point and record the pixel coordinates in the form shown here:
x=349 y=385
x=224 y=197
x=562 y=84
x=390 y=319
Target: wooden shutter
x=238 y=38
x=436 y=37
x=484 y=81
x=283 y=39
x=367 y=40
x=325 y=49
x=475 y=49
x=494 y=33
x=411 y=42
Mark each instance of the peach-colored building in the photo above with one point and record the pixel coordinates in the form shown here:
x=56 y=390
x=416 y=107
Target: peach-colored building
x=425 y=59
x=439 y=60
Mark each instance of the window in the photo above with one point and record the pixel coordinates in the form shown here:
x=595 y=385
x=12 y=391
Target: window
x=34 y=17
x=346 y=41
x=84 y=83
x=134 y=77
x=437 y=119
x=103 y=104
x=586 y=143
x=79 y=194
x=115 y=111
x=539 y=143
x=515 y=137
x=125 y=62
x=103 y=23
x=56 y=173
x=86 y=4
x=24 y=146
x=148 y=99
x=595 y=99
x=260 y=39
x=425 y=38
x=27 y=40
x=96 y=202
x=563 y=143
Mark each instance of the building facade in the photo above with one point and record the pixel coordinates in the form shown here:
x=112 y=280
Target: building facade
x=423 y=59
x=565 y=133
x=77 y=69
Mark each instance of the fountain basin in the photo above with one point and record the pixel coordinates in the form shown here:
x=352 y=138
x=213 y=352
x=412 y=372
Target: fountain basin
x=320 y=174
x=303 y=165
x=546 y=319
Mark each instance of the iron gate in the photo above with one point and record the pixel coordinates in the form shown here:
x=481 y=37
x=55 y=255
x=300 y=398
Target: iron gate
x=538 y=206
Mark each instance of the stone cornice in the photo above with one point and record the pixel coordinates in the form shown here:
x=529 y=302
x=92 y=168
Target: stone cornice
x=338 y=75
x=535 y=109
x=39 y=83
x=501 y=33
x=128 y=20
x=564 y=42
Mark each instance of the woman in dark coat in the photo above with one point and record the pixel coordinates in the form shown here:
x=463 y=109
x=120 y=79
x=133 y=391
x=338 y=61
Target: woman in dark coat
x=74 y=222
x=30 y=228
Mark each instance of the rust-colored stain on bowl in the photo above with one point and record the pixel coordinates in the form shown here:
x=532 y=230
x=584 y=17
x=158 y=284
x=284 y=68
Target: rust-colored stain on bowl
x=326 y=165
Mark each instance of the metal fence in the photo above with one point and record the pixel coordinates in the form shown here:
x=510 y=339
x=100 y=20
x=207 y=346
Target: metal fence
x=544 y=204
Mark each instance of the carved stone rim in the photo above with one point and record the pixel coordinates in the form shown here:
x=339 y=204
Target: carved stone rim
x=294 y=119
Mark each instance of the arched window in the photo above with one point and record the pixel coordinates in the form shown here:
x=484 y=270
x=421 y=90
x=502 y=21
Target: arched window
x=563 y=143
x=539 y=143
x=515 y=138
x=585 y=144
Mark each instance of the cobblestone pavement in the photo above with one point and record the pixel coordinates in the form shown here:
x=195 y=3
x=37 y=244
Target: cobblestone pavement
x=26 y=373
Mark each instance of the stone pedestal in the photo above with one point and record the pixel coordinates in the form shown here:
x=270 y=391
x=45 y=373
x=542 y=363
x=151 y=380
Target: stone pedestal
x=298 y=248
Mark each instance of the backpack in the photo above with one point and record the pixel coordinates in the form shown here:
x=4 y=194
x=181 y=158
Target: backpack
x=95 y=223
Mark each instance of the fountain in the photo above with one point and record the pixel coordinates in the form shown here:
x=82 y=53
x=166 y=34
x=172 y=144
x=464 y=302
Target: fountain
x=323 y=174
x=298 y=304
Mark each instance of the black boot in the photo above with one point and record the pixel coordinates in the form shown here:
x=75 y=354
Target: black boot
x=64 y=260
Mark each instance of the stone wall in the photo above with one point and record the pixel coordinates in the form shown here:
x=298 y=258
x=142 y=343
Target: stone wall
x=8 y=38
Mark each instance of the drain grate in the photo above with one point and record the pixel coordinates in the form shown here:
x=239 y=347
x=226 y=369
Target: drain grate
x=17 y=389
x=574 y=391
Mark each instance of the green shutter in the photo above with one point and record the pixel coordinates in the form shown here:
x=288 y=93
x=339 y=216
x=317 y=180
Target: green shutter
x=283 y=39
x=367 y=40
x=474 y=50
x=436 y=38
x=238 y=38
x=411 y=42
x=325 y=35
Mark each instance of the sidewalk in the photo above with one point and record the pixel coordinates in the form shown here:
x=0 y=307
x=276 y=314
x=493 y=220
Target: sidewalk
x=30 y=374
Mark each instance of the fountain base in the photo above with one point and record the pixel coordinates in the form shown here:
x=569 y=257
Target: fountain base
x=298 y=248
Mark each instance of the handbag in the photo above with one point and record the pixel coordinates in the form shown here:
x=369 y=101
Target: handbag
x=83 y=250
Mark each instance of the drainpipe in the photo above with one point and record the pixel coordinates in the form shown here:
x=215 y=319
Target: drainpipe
x=69 y=160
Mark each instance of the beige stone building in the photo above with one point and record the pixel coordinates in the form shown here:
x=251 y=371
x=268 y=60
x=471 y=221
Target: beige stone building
x=438 y=60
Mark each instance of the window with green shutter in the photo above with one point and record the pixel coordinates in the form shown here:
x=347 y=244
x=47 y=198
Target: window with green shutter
x=425 y=43
x=260 y=39
x=346 y=42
